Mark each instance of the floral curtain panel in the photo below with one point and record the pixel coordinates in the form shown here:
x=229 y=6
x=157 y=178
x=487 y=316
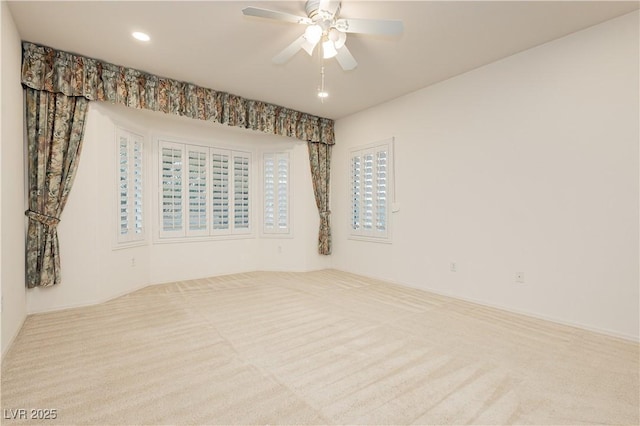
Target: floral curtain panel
x=320 y=159
x=59 y=86
x=55 y=71
x=55 y=124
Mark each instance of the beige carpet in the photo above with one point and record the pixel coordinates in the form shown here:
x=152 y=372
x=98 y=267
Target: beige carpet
x=321 y=348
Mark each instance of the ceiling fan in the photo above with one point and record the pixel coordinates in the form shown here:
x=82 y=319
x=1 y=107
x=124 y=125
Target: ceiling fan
x=324 y=26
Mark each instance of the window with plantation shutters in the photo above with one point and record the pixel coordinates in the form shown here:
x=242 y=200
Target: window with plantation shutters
x=171 y=189
x=381 y=191
x=276 y=193
x=240 y=191
x=130 y=154
x=220 y=190
x=203 y=191
x=369 y=191
x=356 y=195
x=197 y=186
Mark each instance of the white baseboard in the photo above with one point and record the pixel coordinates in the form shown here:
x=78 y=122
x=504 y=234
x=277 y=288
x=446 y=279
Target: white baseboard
x=141 y=286
x=11 y=340
x=607 y=332
x=88 y=302
x=575 y=324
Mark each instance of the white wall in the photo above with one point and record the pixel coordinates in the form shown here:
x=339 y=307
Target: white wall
x=94 y=271
x=12 y=200
x=529 y=164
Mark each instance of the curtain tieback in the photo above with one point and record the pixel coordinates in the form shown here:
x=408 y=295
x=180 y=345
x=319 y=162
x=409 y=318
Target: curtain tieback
x=50 y=221
x=325 y=214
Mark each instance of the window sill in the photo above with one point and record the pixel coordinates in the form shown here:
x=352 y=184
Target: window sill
x=208 y=238
x=370 y=239
x=128 y=245
x=276 y=235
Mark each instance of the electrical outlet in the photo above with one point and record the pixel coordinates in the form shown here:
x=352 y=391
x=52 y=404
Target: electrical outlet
x=453 y=267
x=133 y=262
x=520 y=277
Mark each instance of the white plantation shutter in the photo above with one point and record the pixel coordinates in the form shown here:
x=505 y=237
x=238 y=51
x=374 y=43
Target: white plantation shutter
x=276 y=193
x=241 y=164
x=367 y=191
x=123 y=187
x=220 y=190
x=130 y=186
x=269 y=193
x=283 y=192
x=381 y=191
x=356 y=195
x=197 y=158
x=138 y=160
x=171 y=181
x=203 y=191
x=370 y=191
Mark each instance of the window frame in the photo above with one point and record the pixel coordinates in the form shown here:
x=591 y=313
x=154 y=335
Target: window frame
x=223 y=152
x=130 y=239
x=162 y=233
x=372 y=234
x=211 y=233
x=234 y=230
x=276 y=232
x=189 y=232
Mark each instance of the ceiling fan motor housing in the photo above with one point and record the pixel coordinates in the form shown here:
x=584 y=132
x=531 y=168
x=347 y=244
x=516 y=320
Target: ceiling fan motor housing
x=312 y=7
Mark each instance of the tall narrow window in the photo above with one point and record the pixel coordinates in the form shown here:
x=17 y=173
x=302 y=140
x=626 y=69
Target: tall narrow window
x=203 y=191
x=130 y=148
x=220 y=190
x=269 y=192
x=198 y=192
x=381 y=191
x=276 y=193
x=370 y=191
x=356 y=195
x=367 y=191
x=171 y=178
x=241 y=163
x=283 y=192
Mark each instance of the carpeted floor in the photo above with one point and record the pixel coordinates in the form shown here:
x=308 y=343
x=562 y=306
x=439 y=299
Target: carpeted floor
x=312 y=348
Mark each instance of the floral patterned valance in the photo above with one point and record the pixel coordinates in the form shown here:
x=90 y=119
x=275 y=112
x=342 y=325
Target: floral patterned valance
x=44 y=68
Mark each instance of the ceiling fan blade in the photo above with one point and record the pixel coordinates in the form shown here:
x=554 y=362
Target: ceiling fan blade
x=272 y=14
x=288 y=52
x=369 y=26
x=308 y=46
x=346 y=59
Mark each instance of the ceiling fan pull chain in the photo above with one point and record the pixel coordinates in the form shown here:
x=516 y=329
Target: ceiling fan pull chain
x=322 y=93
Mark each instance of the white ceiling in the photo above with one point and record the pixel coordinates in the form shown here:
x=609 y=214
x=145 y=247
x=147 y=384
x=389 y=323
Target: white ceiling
x=210 y=43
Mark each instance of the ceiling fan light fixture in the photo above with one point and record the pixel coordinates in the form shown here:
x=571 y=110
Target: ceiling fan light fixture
x=313 y=34
x=308 y=47
x=337 y=37
x=328 y=49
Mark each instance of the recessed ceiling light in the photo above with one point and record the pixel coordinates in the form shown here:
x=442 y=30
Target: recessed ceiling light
x=140 y=36
x=322 y=94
